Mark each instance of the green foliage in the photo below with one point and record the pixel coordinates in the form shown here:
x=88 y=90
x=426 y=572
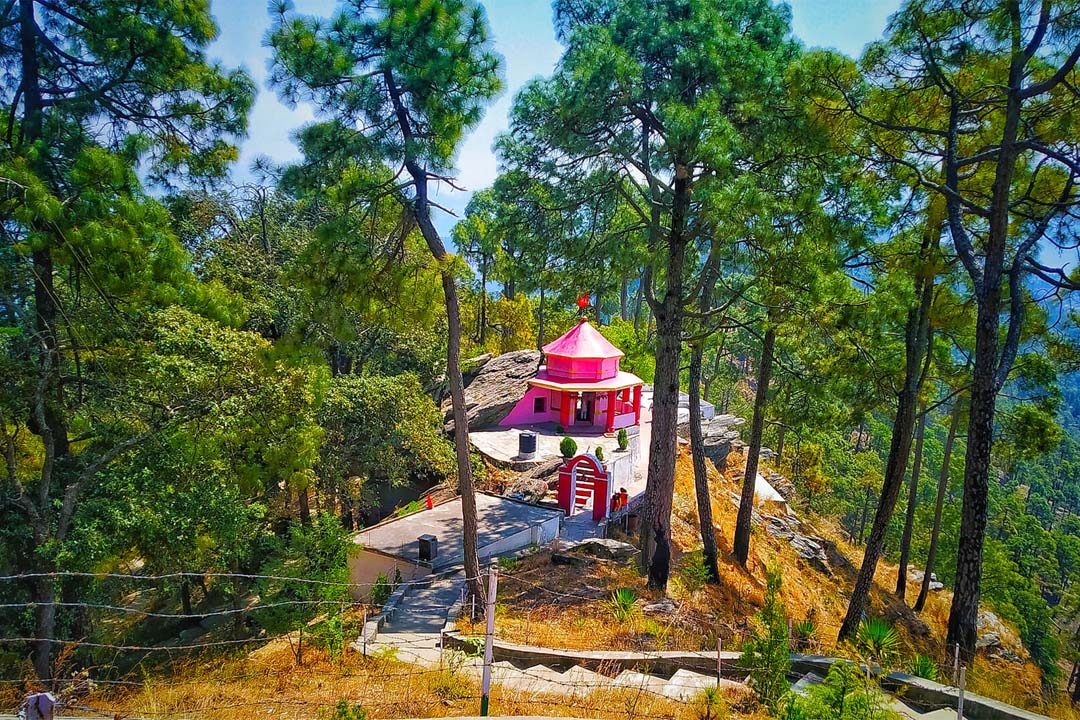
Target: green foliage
x=845 y=694
x=381 y=590
x=766 y=651
x=692 y=570
x=622 y=438
x=923 y=666
x=709 y=704
x=599 y=453
x=409 y=508
x=345 y=710
x=805 y=634
x=623 y=604
x=877 y=641
x=568 y=447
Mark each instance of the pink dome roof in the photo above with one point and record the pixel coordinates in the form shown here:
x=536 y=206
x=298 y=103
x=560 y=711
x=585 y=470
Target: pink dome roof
x=583 y=341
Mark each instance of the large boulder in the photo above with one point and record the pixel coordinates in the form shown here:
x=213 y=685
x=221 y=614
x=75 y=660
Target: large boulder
x=719 y=434
x=495 y=388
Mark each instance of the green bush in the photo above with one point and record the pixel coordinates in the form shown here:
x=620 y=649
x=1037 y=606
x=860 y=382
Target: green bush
x=599 y=453
x=345 y=711
x=767 y=651
x=693 y=572
x=623 y=439
x=805 y=633
x=877 y=641
x=380 y=591
x=568 y=447
x=845 y=694
x=559 y=428
x=924 y=667
x=623 y=604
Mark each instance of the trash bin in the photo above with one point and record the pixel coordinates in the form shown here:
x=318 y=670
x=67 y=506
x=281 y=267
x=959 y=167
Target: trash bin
x=429 y=547
x=527 y=445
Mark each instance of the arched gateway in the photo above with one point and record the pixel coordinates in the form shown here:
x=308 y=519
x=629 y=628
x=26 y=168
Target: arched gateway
x=581 y=479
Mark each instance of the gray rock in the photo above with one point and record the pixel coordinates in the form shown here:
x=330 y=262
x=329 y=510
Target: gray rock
x=497 y=386
x=666 y=606
x=606 y=549
x=988 y=640
x=529 y=489
x=811 y=550
x=934 y=586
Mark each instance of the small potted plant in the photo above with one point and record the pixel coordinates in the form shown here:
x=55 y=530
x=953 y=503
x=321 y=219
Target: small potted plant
x=623 y=440
x=599 y=453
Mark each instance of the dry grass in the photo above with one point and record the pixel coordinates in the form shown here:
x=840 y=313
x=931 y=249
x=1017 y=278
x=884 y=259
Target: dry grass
x=269 y=682
x=564 y=607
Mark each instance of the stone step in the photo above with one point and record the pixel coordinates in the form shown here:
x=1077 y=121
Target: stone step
x=582 y=681
x=685 y=684
x=633 y=680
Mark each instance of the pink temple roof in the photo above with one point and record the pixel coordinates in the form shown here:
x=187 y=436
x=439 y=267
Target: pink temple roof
x=583 y=341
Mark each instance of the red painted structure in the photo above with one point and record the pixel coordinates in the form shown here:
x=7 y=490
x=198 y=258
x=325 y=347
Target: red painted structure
x=583 y=478
x=581 y=385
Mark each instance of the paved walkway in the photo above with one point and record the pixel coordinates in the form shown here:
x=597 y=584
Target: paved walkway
x=415 y=631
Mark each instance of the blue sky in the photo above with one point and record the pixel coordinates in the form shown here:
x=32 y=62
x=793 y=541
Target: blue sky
x=524 y=36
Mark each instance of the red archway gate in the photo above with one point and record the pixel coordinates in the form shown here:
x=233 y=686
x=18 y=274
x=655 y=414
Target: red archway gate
x=582 y=478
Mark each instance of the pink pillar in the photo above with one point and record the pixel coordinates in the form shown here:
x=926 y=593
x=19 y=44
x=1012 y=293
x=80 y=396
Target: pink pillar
x=565 y=411
x=611 y=411
x=637 y=405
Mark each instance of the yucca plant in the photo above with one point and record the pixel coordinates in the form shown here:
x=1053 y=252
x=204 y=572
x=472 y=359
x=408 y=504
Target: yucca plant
x=877 y=640
x=805 y=634
x=623 y=603
x=923 y=666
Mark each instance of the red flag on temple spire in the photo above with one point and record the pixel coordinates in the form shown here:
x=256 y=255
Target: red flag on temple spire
x=583 y=301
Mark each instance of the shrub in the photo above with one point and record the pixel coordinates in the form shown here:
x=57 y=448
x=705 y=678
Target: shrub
x=767 y=650
x=710 y=704
x=693 y=572
x=623 y=603
x=877 y=641
x=623 y=439
x=845 y=694
x=345 y=711
x=924 y=667
x=568 y=447
x=380 y=591
x=805 y=632
x=559 y=428
x=599 y=453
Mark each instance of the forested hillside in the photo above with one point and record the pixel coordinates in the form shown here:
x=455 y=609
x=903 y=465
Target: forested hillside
x=208 y=383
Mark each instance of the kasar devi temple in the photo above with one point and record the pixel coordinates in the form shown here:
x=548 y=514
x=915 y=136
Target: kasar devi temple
x=522 y=406
x=581 y=386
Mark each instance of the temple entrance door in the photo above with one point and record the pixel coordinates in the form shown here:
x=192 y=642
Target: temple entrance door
x=585 y=408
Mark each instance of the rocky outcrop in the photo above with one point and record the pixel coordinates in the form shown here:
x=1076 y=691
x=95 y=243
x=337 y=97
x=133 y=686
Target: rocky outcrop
x=494 y=388
x=720 y=435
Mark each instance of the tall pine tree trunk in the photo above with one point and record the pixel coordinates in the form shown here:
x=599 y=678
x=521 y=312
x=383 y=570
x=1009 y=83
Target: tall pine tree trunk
x=939 y=505
x=660 y=483
x=916 y=338
x=697 y=441
x=963 y=615
x=741 y=547
x=909 y=513
x=422 y=212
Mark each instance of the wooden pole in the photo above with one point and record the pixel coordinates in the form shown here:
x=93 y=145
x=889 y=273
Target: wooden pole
x=956 y=666
x=493 y=585
x=719 y=663
x=960 y=704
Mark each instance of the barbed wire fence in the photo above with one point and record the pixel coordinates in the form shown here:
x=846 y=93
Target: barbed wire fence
x=571 y=692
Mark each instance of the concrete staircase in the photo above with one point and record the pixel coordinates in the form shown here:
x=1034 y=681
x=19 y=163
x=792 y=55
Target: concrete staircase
x=577 y=681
